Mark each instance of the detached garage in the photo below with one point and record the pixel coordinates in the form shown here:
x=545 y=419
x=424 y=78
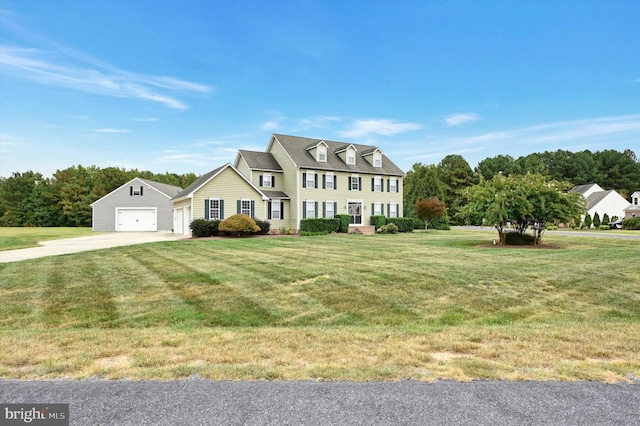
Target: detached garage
x=138 y=205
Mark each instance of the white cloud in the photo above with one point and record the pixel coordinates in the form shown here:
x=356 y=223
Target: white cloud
x=457 y=119
x=380 y=127
x=270 y=125
x=150 y=119
x=109 y=130
x=76 y=71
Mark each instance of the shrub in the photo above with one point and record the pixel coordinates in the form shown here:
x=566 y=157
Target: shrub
x=344 y=222
x=265 y=226
x=596 y=220
x=604 y=227
x=319 y=225
x=388 y=229
x=313 y=233
x=404 y=224
x=419 y=223
x=587 y=221
x=631 y=223
x=605 y=219
x=202 y=228
x=378 y=220
x=551 y=227
x=286 y=230
x=239 y=224
x=517 y=239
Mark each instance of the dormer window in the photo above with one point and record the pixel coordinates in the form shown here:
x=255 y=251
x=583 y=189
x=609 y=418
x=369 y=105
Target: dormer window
x=322 y=154
x=377 y=159
x=135 y=190
x=351 y=157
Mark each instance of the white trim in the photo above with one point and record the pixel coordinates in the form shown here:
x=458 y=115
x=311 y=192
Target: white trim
x=142 y=183
x=155 y=213
x=361 y=202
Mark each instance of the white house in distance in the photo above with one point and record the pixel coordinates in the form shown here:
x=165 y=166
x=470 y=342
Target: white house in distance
x=633 y=209
x=602 y=202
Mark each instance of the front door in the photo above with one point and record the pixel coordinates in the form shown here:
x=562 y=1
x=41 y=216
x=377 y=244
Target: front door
x=355 y=211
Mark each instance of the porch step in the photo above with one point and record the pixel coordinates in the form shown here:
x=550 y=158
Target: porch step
x=363 y=229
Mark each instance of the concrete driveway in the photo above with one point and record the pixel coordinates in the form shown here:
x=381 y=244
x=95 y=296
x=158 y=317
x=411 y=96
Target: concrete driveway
x=92 y=242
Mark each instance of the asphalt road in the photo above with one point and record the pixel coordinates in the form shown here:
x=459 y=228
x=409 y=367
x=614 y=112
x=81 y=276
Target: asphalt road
x=205 y=402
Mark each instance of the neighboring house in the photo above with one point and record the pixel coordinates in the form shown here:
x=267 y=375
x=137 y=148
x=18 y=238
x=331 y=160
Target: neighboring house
x=601 y=201
x=633 y=209
x=296 y=178
x=138 y=205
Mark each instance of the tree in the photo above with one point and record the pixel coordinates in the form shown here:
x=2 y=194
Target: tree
x=429 y=209
x=455 y=174
x=422 y=181
x=587 y=221
x=605 y=219
x=596 y=220
x=500 y=164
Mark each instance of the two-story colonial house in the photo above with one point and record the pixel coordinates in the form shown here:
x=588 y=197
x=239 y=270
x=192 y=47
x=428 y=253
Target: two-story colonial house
x=296 y=178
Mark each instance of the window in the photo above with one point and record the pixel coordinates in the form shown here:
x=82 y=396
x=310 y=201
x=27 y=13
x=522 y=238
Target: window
x=328 y=179
x=310 y=209
x=322 y=153
x=377 y=209
x=245 y=207
x=266 y=180
x=393 y=210
x=135 y=190
x=275 y=209
x=377 y=159
x=329 y=209
x=310 y=180
x=377 y=184
x=214 y=209
x=393 y=185
x=351 y=157
x=355 y=183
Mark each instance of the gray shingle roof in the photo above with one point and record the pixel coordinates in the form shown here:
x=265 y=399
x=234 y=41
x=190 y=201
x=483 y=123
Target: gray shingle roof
x=166 y=189
x=582 y=189
x=198 y=183
x=296 y=147
x=596 y=197
x=260 y=160
x=275 y=194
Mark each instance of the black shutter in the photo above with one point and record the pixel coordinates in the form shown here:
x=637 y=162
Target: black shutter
x=304 y=209
x=382 y=209
x=269 y=210
x=381 y=185
x=349 y=182
x=131 y=190
x=273 y=181
x=315 y=208
x=373 y=209
x=253 y=208
x=335 y=182
x=360 y=184
x=316 y=180
x=141 y=191
x=388 y=185
x=304 y=180
x=281 y=209
x=239 y=206
x=324 y=181
x=221 y=209
x=260 y=180
x=335 y=208
x=373 y=183
x=324 y=209
x=206 y=209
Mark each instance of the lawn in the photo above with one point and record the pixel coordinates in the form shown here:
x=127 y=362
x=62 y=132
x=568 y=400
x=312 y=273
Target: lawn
x=16 y=238
x=386 y=307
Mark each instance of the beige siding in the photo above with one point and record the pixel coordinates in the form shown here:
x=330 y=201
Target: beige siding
x=289 y=184
x=244 y=168
x=230 y=187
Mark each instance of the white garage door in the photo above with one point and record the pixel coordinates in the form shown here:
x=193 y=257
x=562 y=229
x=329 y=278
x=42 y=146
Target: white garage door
x=136 y=219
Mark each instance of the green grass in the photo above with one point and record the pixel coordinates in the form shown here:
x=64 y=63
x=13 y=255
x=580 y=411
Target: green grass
x=384 y=307
x=17 y=238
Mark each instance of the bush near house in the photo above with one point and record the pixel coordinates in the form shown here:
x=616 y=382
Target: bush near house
x=378 y=220
x=344 y=222
x=314 y=225
x=388 y=229
x=587 y=222
x=631 y=223
x=404 y=224
x=239 y=224
x=596 y=220
x=202 y=228
x=265 y=226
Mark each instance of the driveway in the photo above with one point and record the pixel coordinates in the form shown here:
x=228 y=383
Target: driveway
x=206 y=402
x=92 y=242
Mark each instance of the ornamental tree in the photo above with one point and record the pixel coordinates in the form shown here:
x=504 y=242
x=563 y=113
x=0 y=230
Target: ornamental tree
x=429 y=209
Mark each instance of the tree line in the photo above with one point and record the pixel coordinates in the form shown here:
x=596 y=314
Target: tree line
x=30 y=199
x=448 y=179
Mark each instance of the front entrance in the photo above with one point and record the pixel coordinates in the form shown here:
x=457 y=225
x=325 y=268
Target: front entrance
x=354 y=208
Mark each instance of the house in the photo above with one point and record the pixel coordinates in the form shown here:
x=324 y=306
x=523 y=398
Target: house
x=601 y=201
x=293 y=179
x=138 y=205
x=633 y=209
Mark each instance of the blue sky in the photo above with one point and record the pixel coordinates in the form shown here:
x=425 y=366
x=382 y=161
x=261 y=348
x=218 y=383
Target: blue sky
x=180 y=86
